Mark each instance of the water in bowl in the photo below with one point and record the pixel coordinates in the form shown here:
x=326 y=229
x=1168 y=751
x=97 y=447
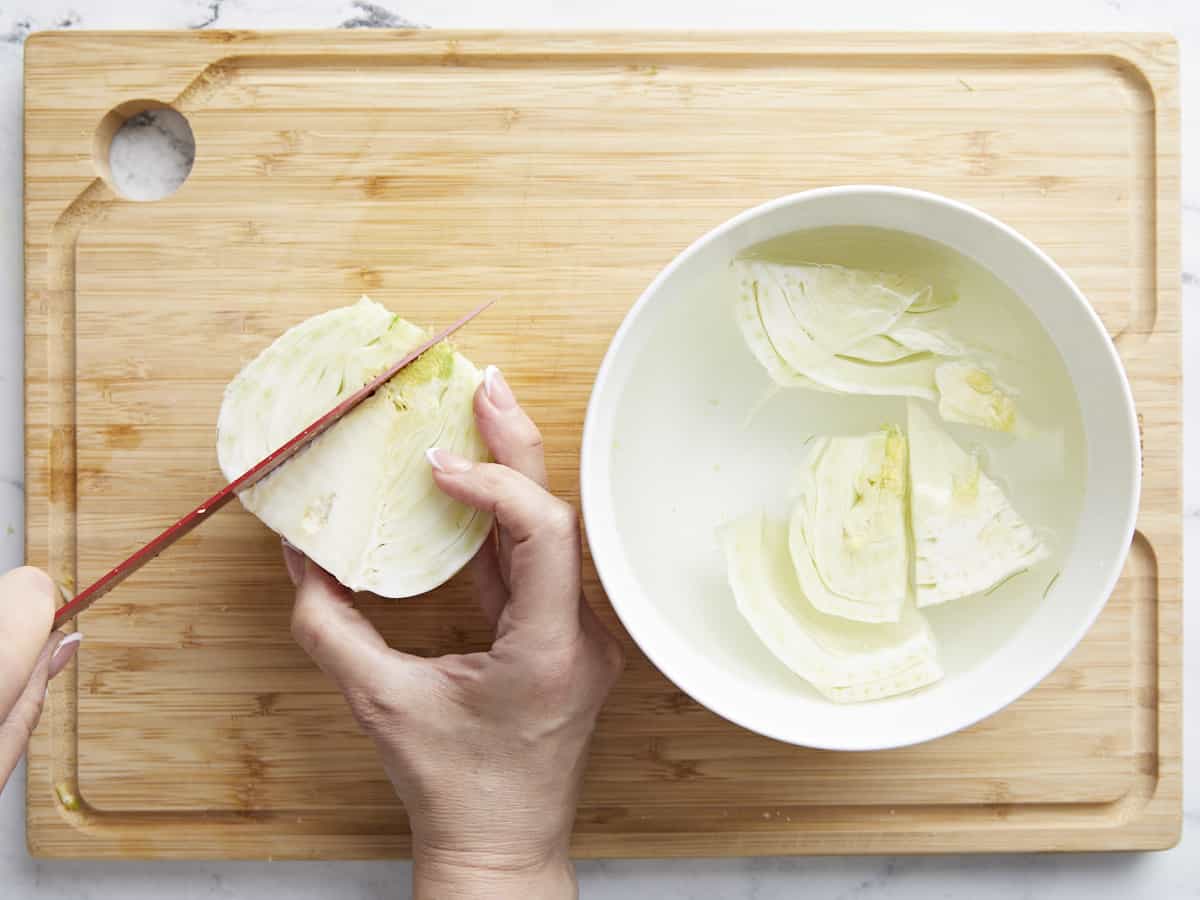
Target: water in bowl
x=690 y=455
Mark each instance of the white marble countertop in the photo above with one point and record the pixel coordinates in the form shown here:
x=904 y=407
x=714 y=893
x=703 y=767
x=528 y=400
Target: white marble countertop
x=1173 y=874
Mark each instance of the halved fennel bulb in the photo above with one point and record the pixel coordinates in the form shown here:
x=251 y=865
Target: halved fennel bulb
x=360 y=501
x=846 y=661
x=967 y=537
x=848 y=534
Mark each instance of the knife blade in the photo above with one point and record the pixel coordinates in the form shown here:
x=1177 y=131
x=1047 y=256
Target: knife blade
x=248 y=479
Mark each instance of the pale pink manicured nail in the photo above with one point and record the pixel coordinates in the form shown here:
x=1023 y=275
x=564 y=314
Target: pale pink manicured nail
x=447 y=462
x=65 y=652
x=497 y=389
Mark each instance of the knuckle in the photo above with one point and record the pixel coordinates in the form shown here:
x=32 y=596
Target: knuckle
x=495 y=478
x=306 y=632
x=530 y=435
x=372 y=708
x=31 y=582
x=608 y=662
x=31 y=576
x=463 y=673
x=560 y=519
x=552 y=669
x=614 y=657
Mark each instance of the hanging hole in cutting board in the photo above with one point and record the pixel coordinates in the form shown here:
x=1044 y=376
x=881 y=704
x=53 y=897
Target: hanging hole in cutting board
x=144 y=149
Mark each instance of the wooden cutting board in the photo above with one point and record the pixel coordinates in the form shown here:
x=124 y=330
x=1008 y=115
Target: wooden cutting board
x=561 y=171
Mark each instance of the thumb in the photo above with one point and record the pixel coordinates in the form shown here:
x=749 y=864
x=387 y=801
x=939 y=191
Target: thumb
x=328 y=626
x=26 y=616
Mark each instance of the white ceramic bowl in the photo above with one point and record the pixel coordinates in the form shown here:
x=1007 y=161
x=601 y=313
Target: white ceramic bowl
x=650 y=520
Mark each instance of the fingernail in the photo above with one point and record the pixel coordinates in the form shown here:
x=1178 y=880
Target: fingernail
x=445 y=461
x=294 y=560
x=65 y=652
x=497 y=389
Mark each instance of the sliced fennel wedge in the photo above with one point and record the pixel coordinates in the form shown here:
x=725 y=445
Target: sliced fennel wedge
x=848 y=534
x=906 y=377
x=879 y=349
x=913 y=333
x=830 y=328
x=360 y=501
x=969 y=395
x=911 y=377
x=810 y=312
x=846 y=661
x=754 y=332
x=967 y=538
x=908 y=337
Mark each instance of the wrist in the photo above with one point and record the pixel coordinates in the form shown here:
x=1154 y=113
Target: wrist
x=450 y=875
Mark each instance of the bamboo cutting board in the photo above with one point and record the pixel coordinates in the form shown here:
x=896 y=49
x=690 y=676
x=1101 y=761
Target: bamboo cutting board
x=561 y=171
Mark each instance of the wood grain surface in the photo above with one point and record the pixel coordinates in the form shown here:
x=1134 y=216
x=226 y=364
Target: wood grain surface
x=561 y=171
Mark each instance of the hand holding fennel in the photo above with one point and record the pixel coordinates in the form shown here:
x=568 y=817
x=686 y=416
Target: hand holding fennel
x=486 y=750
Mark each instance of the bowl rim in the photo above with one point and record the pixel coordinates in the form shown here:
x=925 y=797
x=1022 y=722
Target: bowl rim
x=588 y=489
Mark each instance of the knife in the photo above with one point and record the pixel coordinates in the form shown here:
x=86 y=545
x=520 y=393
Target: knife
x=251 y=477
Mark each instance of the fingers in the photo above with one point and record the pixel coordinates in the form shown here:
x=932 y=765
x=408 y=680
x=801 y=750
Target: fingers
x=508 y=432
x=544 y=569
x=330 y=629
x=514 y=441
x=26 y=616
x=489 y=581
x=17 y=727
